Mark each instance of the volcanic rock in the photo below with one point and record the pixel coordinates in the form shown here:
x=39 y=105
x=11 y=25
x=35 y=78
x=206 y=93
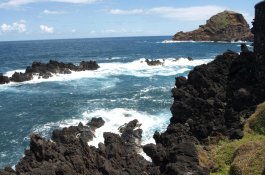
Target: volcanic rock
x=20 y=77
x=153 y=62
x=4 y=79
x=46 y=70
x=96 y=123
x=68 y=153
x=224 y=26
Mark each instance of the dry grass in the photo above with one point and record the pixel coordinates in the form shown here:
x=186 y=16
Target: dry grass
x=245 y=156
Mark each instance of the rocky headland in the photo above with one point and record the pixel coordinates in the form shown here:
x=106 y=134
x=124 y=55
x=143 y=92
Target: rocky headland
x=224 y=26
x=46 y=70
x=217 y=126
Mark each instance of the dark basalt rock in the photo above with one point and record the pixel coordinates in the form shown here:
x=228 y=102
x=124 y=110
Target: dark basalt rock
x=215 y=96
x=68 y=153
x=96 y=123
x=175 y=152
x=88 y=65
x=55 y=67
x=67 y=135
x=153 y=62
x=4 y=79
x=46 y=70
x=21 y=77
x=130 y=134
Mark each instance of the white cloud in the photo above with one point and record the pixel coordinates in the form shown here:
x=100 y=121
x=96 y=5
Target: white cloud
x=46 y=29
x=19 y=27
x=17 y=3
x=188 y=13
x=52 y=12
x=73 y=30
x=75 y=1
x=122 y=30
x=126 y=12
x=92 y=32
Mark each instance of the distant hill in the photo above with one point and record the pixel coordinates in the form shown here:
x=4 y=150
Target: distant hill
x=224 y=26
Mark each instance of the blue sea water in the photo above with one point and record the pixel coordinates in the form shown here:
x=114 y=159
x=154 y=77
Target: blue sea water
x=122 y=89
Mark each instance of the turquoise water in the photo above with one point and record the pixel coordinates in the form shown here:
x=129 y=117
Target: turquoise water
x=122 y=89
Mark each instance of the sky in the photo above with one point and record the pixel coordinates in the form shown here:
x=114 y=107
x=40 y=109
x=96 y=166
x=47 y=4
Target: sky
x=59 y=19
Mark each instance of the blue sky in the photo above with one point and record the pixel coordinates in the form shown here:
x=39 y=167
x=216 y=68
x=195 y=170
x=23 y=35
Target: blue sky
x=56 y=19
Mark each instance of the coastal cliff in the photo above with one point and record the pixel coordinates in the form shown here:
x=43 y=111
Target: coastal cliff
x=224 y=26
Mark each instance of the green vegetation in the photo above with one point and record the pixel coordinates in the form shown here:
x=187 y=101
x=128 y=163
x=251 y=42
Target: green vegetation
x=245 y=156
x=257 y=121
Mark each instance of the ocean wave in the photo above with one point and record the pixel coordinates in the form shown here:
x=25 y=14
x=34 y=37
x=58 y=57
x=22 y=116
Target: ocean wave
x=188 y=41
x=248 y=45
x=119 y=116
x=114 y=118
x=137 y=68
x=191 y=41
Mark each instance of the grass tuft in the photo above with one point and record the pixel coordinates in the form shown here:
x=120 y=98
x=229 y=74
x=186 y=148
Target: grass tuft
x=244 y=156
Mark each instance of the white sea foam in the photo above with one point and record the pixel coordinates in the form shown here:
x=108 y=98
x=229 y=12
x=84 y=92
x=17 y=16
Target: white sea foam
x=10 y=73
x=138 y=68
x=191 y=41
x=117 y=117
x=188 y=41
x=248 y=45
x=113 y=118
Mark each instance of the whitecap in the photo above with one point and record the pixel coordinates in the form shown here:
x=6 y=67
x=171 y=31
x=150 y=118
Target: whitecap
x=188 y=41
x=137 y=68
x=114 y=118
x=117 y=117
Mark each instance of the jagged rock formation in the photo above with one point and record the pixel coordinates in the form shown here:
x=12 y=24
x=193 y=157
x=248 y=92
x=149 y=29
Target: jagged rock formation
x=46 y=70
x=224 y=26
x=153 y=62
x=68 y=153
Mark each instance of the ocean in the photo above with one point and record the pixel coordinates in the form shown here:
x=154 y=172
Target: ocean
x=122 y=89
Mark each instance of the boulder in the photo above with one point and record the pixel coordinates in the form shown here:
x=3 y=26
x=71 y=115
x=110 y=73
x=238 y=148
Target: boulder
x=96 y=123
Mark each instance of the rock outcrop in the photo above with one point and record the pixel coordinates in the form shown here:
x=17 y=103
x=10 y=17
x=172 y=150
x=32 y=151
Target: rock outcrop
x=4 y=79
x=45 y=70
x=68 y=153
x=215 y=96
x=153 y=62
x=224 y=26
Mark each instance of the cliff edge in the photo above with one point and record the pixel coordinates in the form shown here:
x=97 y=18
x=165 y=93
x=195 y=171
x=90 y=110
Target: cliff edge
x=224 y=26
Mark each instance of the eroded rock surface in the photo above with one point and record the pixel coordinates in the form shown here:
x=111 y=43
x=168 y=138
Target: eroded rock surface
x=224 y=26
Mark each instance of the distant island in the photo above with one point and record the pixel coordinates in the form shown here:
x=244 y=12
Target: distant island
x=224 y=26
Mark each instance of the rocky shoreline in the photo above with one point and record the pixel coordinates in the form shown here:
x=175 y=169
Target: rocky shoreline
x=214 y=101
x=45 y=70
x=219 y=92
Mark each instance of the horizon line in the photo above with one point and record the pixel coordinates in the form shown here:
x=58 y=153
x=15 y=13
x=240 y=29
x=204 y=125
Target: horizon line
x=86 y=38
